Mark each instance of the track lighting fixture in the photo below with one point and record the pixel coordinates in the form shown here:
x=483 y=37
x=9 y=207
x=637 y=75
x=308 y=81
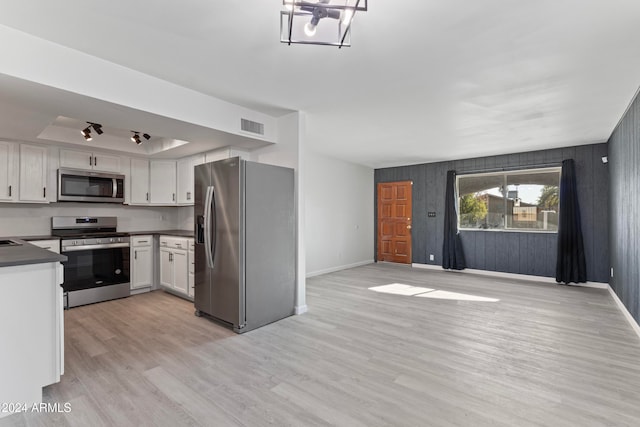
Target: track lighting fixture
x=86 y=132
x=136 y=137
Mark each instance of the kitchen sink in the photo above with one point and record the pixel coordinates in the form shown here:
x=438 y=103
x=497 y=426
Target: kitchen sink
x=4 y=243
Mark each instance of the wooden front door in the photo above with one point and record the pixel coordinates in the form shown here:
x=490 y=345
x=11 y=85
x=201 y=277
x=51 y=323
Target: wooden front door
x=394 y=221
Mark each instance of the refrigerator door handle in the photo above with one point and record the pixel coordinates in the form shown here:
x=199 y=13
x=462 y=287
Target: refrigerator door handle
x=214 y=234
x=207 y=226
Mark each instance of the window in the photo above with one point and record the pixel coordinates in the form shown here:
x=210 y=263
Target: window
x=526 y=200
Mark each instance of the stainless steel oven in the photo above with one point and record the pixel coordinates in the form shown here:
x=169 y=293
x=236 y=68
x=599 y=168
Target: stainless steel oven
x=98 y=266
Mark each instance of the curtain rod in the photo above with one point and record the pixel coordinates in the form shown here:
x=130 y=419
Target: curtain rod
x=511 y=168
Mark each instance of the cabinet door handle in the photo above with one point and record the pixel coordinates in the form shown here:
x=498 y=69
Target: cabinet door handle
x=188 y=195
x=90 y=160
x=174 y=197
x=142 y=241
x=9 y=191
x=44 y=192
x=147 y=197
x=135 y=254
x=95 y=161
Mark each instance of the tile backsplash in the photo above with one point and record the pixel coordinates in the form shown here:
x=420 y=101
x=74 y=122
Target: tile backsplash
x=35 y=219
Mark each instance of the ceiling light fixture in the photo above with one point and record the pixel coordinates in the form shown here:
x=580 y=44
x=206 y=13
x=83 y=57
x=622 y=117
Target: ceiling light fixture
x=323 y=22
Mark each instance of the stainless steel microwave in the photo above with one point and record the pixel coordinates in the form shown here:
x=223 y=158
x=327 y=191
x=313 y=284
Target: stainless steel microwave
x=75 y=185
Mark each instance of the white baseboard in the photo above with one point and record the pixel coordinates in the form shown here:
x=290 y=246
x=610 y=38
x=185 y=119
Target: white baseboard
x=301 y=309
x=338 y=268
x=514 y=276
x=626 y=313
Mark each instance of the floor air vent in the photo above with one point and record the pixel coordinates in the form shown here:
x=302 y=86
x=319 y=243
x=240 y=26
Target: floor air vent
x=253 y=127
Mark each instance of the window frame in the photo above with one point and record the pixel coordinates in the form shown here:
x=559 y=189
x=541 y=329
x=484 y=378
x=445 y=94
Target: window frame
x=505 y=173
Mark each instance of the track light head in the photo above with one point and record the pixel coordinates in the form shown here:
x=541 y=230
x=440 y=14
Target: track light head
x=98 y=128
x=86 y=133
x=136 y=137
x=146 y=136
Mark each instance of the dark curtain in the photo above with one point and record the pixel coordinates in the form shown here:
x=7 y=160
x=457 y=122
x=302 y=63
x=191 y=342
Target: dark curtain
x=571 y=265
x=452 y=253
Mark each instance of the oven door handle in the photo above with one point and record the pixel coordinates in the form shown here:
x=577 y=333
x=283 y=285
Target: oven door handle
x=91 y=247
x=115 y=188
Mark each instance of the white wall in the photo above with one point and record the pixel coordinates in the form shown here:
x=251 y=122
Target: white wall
x=339 y=214
x=184 y=220
x=35 y=220
x=288 y=152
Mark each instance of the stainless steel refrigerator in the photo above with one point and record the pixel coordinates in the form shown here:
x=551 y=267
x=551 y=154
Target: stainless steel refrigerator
x=245 y=253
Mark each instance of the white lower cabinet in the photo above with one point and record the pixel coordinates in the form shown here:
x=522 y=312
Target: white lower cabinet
x=141 y=262
x=174 y=264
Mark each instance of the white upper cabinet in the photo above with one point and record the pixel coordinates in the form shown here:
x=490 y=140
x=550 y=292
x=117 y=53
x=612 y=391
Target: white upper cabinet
x=162 y=182
x=186 y=179
x=8 y=171
x=139 y=182
x=89 y=161
x=33 y=173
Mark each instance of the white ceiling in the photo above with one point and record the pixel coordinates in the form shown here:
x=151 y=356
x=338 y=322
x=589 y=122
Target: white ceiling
x=425 y=80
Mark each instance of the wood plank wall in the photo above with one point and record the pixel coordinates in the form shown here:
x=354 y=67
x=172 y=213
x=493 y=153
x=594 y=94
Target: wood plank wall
x=624 y=188
x=511 y=252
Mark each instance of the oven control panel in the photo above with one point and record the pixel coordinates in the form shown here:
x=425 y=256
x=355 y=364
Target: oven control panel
x=97 y=243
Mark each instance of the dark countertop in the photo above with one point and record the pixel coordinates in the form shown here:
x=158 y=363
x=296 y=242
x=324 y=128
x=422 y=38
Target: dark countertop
x=179 y=233
x=31 y=238
x=26 y=254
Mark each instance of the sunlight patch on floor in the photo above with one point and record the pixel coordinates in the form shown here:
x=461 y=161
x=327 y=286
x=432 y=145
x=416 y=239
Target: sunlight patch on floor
x=456 y=296
x=400 y=289
x=417 y=291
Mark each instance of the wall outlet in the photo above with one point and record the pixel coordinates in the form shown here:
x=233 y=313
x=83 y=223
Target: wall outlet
x=432 y=257
x=431 y=214
x=611 y=271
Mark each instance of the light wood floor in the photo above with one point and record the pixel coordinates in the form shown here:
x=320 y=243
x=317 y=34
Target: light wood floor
x=543 y=355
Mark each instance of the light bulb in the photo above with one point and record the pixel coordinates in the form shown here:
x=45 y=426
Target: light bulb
x=347 y=15
x=310 y=29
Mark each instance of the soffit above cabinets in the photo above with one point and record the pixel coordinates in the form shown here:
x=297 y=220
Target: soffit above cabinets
x=32 y=112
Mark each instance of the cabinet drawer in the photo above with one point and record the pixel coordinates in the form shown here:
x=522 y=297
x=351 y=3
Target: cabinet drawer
x=137 y=241
x=173 y=242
